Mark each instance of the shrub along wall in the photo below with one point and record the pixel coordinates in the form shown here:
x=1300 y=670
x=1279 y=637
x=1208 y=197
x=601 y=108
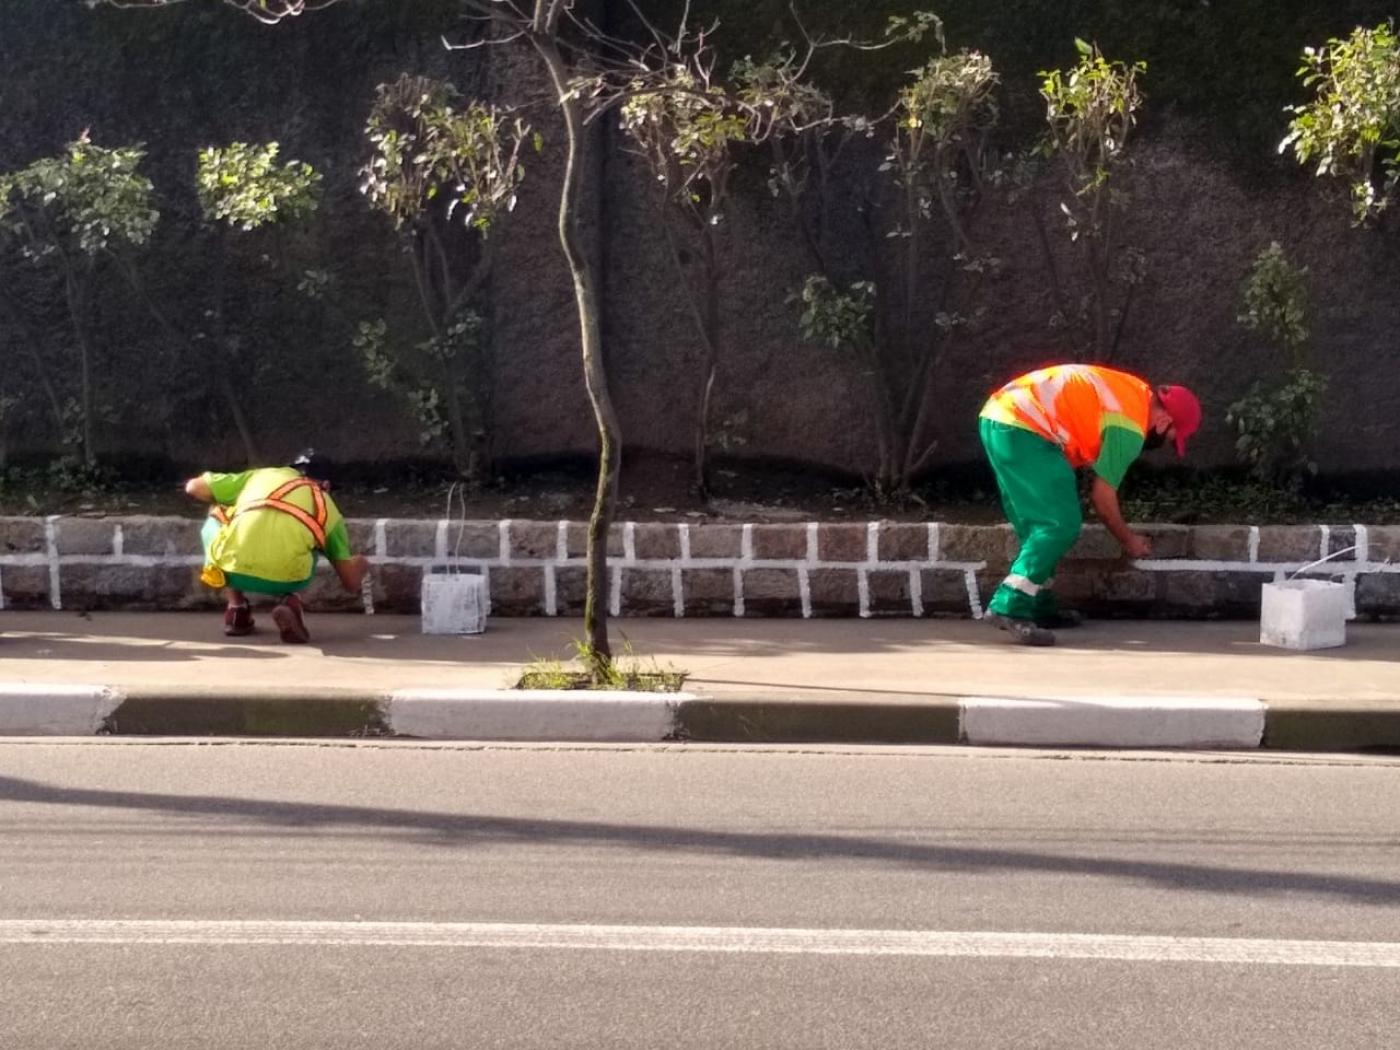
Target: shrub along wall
x=536 y=568
x=198 y=74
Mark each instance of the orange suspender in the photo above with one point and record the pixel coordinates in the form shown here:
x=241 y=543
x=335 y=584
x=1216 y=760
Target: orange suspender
x=277 y=500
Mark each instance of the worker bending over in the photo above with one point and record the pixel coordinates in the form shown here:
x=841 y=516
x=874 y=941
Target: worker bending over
x=1038 y=430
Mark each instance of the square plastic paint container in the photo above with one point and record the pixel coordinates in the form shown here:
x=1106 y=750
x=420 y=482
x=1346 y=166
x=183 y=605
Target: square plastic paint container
x=1304 y=615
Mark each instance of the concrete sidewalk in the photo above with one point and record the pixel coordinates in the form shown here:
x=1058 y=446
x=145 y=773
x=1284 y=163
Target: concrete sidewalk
x=780 y=681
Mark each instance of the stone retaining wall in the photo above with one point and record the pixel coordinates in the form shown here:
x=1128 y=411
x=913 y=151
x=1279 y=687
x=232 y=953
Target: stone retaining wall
x=536 y=568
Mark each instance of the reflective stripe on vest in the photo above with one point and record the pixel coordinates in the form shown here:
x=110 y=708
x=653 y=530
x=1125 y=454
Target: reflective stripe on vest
x=1024 y=402
x=277 y=500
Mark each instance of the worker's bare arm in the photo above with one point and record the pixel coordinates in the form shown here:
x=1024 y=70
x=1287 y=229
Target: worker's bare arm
x=352 y=572
x=199 y=489
x=1105 y=500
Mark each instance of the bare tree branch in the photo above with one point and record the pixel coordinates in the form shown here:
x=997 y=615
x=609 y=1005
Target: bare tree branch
x=269 y=12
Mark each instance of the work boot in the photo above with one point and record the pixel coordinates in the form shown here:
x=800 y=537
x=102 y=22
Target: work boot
x=1023 y=632
x=238 y=620
x=290 y=621
x=1060 y=620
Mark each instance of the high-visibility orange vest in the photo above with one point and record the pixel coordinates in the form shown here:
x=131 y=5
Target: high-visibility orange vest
x=1070 y=405
x=277 y=500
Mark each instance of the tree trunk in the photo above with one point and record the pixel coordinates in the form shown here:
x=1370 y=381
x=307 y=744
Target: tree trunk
x=1052 y=270
x=595 y=609
x=77 y=295
x=710 y=342
x=702 y=431
x=240 y=421
x=220 y=363
x=883 y=411
x=462 y=457
x=31 y=350
x=437 y=312
x=1102 y=348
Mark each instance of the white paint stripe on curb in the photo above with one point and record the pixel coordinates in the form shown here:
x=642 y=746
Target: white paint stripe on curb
x=51 y=549
x=54 y=710
x=520 y=714
x=1114 y=721
x=708 y=939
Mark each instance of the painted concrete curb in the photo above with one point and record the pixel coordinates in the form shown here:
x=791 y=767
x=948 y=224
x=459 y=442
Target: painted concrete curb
x=501 y=714
x=54 y=710
x=622 y=717
x=1114 y=721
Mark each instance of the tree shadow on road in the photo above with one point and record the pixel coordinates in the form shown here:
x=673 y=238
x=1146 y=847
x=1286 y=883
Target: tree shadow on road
x=463 y=830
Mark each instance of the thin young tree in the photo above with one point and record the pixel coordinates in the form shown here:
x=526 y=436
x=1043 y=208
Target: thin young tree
x=446 y=171
x=687 y=129
x=920 y=209
x=1276 y=422
x=243 y=188
x=1350 y=128
x=1091 y=110
x=74 y=212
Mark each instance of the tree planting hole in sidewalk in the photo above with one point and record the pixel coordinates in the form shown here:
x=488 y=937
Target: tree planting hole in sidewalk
x=625 y=671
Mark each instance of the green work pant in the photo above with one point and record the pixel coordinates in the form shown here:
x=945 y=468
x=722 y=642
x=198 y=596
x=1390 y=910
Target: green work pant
x=1041 y=498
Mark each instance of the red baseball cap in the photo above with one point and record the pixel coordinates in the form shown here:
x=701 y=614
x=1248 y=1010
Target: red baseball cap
x=1185 y=410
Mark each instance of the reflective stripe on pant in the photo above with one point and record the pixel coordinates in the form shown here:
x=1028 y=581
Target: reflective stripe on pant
x=1041 y=498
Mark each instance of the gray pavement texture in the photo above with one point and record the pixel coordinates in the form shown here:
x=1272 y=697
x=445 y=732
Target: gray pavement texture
x=1271 y=848
x=895 y=677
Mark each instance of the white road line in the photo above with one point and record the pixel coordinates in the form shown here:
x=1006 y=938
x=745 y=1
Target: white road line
x=723 y=939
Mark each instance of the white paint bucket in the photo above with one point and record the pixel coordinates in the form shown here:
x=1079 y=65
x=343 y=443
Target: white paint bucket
x=454 y=603
x=1304 y=614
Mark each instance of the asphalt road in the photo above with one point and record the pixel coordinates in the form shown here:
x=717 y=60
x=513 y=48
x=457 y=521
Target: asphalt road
x=406 y=896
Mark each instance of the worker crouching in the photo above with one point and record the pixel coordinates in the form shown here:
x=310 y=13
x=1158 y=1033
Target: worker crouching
x=264 y=535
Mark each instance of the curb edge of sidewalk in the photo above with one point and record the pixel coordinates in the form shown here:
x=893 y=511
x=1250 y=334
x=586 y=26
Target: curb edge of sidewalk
x=767 y=718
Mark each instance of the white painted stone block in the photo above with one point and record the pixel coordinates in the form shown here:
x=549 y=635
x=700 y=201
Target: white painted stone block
x=1304 y=614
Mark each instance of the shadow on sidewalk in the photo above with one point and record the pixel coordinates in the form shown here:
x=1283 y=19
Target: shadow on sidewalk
x=1365 y=642
x=81 y=647
x=516 y=641
x=464 y=831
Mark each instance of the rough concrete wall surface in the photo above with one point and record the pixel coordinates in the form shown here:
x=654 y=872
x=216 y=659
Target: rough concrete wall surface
x=309 y=85
x=536 y=568
x=1200 y=227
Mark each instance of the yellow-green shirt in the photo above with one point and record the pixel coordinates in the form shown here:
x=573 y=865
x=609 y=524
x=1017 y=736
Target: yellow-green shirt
x=267 y=543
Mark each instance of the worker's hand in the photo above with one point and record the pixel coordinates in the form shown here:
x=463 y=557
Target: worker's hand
x=199 y=489
x=361 y=568
x=1136 y=546
x=352 y=572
